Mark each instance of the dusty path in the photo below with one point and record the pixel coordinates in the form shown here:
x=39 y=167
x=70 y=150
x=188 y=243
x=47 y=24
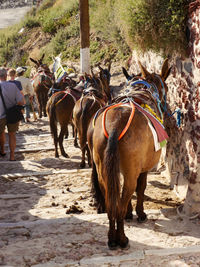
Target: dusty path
x=48 y=218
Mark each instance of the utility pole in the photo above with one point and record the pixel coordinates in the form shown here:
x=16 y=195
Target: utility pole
x=85 y=36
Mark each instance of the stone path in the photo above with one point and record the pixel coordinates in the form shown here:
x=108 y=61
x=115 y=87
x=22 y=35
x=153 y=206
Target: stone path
x=48 y=218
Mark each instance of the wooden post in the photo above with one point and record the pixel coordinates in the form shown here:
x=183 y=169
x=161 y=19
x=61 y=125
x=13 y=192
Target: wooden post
x=85 y=36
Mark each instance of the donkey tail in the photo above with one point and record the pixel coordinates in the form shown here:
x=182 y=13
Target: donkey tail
x=84 y=116
x=52 y=119
x=112 y=175
x=84 y=119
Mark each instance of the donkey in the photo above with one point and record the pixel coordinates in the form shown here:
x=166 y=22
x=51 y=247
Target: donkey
x=59 y=109
x=42 y=82
x=95 y=97
x=122 y=142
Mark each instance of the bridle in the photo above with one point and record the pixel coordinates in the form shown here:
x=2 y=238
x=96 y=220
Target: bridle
x=153 y=90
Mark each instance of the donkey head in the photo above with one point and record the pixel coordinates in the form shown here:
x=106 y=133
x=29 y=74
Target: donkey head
x=38 y=62
x=157 y=80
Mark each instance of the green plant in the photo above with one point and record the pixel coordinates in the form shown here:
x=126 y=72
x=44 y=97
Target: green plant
x=31 y=22
x=116 y=28
x=153 y=24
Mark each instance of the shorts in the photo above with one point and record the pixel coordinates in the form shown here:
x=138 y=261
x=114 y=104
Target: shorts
x=12 y=128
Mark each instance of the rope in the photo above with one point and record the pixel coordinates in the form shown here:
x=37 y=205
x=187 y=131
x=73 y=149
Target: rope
x=128 y=123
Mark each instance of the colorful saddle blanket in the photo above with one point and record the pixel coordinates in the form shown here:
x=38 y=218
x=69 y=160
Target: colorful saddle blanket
x=158 y=130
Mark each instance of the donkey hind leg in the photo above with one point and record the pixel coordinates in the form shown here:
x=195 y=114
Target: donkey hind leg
x=82 y=164
x=129 y=215
x=60 y=140
x=56 y=144
x=44 y=103
x=112 y=235
x=97 y=191
x=82 y=141
x=127 y=192
x=75 y=137
x=67 y=133
x=54 y=132
x=39 y=98
x=88 y=156
x=141 y=186
x=121 y=238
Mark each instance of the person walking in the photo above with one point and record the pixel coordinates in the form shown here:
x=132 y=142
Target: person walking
x=11 y=78
x=12 y=96
x=27 y=90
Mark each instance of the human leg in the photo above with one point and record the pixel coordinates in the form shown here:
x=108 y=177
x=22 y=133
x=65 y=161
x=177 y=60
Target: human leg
x=12 y=145
x=12 y=128
x=2 y=137
x=27 y=106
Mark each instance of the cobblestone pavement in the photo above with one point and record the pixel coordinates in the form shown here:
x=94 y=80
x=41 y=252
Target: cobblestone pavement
x=40 y=227
x=48 y=218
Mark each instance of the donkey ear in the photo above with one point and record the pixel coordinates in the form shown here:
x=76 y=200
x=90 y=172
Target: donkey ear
x=86 y=75
x=109 y=65
x=92 y=72
x=34 y=61
x=165 y=70
x=100 y=68
x=144 y=72
x=128 y=77
x=42 y=57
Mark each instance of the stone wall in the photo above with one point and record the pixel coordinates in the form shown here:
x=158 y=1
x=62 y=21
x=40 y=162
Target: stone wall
x=183 y=148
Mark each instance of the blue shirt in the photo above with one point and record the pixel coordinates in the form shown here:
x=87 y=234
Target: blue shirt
x=11 y=95
x=18 y=83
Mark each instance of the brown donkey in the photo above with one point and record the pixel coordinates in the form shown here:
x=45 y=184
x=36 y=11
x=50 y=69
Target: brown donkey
x=59 y=109
x=95 y=96
x=42 y=82
x=122 y=142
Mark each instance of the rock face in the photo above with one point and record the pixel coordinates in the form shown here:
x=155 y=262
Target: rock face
x=183 y=149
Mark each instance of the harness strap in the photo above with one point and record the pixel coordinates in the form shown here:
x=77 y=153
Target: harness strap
x=66 y=93
x=141 y=82
x=128 y=123
x=61 y=98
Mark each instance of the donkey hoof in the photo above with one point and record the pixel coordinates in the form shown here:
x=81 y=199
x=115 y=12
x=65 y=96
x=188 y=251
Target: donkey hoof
x=112 y=245
x=65 y=155
x=82 y=165
x=101 y=209
x=124 y=244
x=45 y=115
x=129 y=217
x=56 y=156
x=76 y=145
x=142 y=219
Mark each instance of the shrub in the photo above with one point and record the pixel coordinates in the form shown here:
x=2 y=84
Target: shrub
x=116 y=27
x=31 y=22
x=153 y=24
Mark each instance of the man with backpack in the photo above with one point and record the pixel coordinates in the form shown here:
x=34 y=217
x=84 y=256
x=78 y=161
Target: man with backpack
x=11 y=96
